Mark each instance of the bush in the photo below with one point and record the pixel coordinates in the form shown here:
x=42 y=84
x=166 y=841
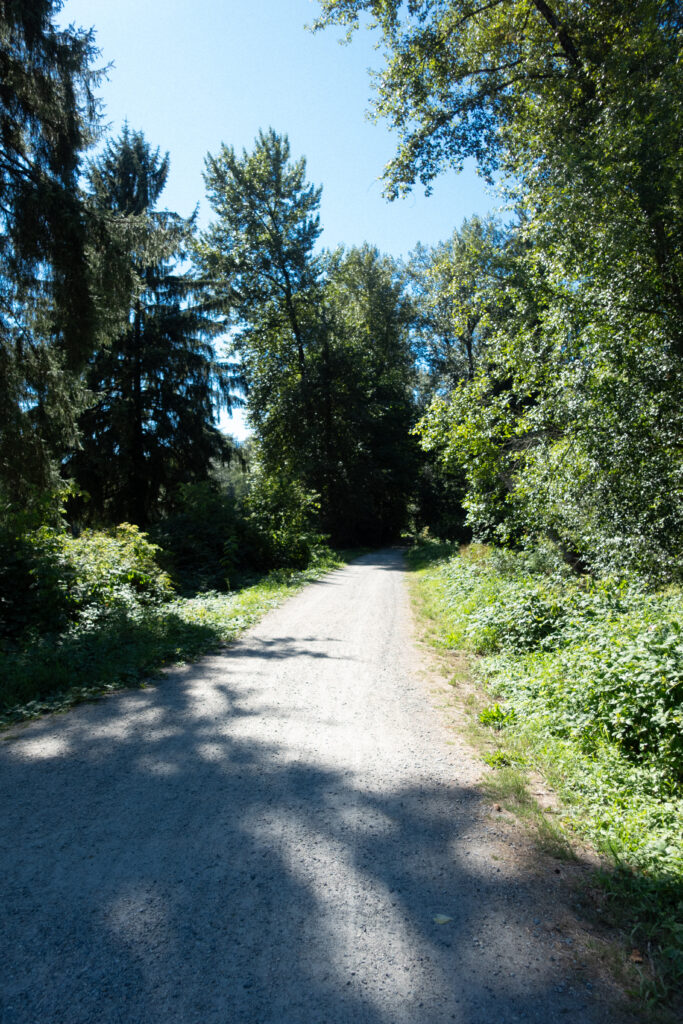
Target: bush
x=587 y=679
x=120 y=648
x=530 y=619
x=620 y=679
x=603 y=661
x=212 y=538
x=280 y=518
x=115 y=570
x=33 y=571
x=203 y=541
x=49 y=579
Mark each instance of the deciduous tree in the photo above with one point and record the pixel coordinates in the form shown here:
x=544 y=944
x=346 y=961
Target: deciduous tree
x=577 y=107
x=321 y=339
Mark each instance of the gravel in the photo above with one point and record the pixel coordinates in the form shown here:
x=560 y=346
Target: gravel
x=273 y=835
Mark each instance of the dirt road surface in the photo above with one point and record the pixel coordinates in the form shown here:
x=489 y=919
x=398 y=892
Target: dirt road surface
x=271 y=836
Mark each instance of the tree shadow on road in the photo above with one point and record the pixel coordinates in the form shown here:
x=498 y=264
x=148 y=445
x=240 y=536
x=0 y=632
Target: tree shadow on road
x=160 y=867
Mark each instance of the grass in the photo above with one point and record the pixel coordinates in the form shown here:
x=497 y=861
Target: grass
x=509 y=786
x=55 y=672
x=579 y=683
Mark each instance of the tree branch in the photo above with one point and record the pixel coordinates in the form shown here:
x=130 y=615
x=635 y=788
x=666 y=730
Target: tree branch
x=566 y=42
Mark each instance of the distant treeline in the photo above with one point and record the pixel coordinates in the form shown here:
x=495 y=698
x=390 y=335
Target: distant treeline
x=520 y=381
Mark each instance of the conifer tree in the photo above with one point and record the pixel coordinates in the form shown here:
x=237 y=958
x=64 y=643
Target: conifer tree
x=47 y=118
x=156 y=382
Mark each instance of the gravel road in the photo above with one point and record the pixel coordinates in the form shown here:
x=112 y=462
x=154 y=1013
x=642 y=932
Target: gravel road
x=267 y=837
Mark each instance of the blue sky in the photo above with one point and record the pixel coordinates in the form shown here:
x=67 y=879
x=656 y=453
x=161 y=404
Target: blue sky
x=192 y=74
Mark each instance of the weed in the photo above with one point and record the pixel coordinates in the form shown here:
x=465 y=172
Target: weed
x=588 y=681
x=496 y=717
x=501 y=759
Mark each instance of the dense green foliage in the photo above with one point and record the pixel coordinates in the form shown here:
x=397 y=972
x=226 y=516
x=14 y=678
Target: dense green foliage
x=605 y=661
x=587 y=683
x=155 y=383
x=79 y=616
x=323 y=342
x=543 y=89
x=51 y=580
x=569 y=428
x=47 y=116
x=215 y=537
x=570 y=425
x=461 y=294
x=459 y=289
x=201 y=540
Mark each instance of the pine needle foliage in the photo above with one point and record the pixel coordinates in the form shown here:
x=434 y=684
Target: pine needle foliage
x=48 y=115
x=156 y=381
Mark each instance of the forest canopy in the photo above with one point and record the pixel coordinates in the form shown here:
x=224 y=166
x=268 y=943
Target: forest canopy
x=570 y=428
x=518 y=382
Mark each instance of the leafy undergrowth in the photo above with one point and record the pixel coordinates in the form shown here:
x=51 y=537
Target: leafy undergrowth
x=585 y=681
x=110 y=646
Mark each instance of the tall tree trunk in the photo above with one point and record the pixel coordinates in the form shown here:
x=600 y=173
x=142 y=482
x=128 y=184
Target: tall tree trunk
x=138 y=497
x=327 y=411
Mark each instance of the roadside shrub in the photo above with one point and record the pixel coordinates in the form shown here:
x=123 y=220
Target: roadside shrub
x=622 y=681
x=587 y=679
x=33 y=596
x=49 y=579
x=601 y=660
x=504 y=601
x=530 y=618
x=115 y=570
x=100 y=653
x=202 y=542
x=280 y=517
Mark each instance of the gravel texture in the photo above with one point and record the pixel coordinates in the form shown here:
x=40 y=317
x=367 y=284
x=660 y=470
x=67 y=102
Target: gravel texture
x=273 y=835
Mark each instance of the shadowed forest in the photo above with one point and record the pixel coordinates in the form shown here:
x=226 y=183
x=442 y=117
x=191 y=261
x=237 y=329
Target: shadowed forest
x=509 y=402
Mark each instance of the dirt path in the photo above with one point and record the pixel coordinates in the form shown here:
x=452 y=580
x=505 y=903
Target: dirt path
x=267 y=837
